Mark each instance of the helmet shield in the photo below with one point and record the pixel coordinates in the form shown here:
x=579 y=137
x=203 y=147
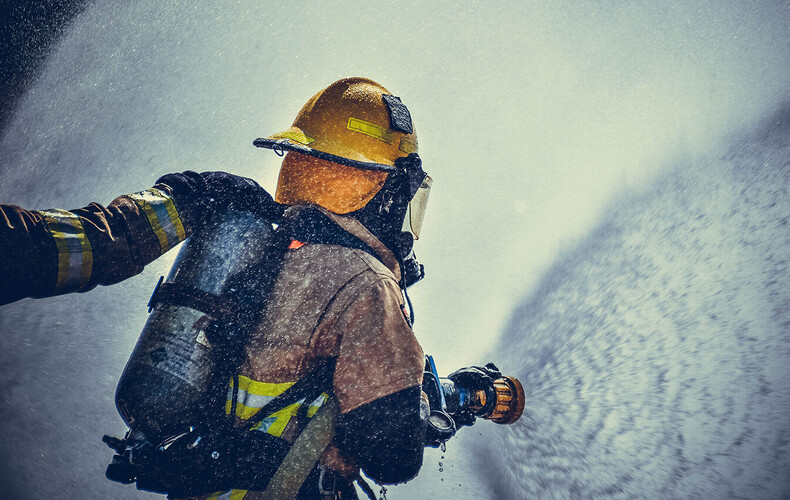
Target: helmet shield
x=338 y=188
x=415 y=213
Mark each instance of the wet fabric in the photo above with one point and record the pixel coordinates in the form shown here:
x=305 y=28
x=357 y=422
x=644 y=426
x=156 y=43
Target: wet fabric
x=50 y=252
x=332 y=301
x=334 y=298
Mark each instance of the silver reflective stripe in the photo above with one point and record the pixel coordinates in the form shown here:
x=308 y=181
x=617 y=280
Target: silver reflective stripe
x=160 y=210
x=250 y=400
x=75 y=254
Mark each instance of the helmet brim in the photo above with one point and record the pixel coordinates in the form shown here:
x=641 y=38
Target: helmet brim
x=284 y=144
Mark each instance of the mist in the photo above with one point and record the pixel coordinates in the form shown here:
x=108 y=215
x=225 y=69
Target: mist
x=534 y=120
x=655 y=354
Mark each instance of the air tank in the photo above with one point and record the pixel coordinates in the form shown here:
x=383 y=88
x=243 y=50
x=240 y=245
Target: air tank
x=170 y=381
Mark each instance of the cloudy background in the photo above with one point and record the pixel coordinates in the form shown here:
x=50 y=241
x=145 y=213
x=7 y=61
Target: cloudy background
x=564 y=139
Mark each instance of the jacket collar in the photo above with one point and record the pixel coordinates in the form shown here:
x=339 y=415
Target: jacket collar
x=356 y=229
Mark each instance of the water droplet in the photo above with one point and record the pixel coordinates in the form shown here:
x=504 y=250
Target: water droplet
x=443 y=447
x=441 y=470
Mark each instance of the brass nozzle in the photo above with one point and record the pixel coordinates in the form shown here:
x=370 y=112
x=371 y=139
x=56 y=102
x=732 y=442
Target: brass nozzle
x=510 y=401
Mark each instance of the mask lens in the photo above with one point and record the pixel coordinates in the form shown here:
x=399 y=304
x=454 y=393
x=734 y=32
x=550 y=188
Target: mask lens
x=416 y=210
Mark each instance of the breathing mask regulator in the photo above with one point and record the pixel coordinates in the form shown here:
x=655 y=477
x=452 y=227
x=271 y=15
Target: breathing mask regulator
x=467 y=394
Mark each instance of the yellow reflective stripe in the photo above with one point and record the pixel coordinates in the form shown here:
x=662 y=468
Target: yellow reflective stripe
x=175 y=219
x=294 y=136
x=315 y=405
x=281 y=419
x=371 y=129
x=261 y=388
x=228 y=495
x=254 y=395
x=160 y=210
x=274 y=424
x=75 y=254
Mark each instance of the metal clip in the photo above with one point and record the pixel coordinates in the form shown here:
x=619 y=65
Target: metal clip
x=326 y=493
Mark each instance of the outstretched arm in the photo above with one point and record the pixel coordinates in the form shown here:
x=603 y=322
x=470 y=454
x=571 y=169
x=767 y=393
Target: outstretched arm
x=52 y=252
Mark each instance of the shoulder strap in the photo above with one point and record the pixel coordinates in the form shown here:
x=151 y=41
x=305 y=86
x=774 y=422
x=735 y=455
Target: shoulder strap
x=304 y=453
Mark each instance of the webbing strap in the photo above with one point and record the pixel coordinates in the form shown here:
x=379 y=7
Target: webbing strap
x=188 y=296
x=303 y=455
x=365 y=487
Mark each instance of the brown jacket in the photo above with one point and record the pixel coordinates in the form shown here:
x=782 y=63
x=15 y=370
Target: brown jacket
x=331 y=301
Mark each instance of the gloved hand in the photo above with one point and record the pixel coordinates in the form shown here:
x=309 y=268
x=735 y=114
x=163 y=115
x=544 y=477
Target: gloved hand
x=200 y=195
x=475 y=378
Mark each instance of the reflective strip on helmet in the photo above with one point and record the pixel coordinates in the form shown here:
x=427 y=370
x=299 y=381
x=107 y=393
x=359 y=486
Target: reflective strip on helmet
x=371 y=129
x=228 y=495
x=75 y=254
x=162 y=215
x=254 y=395
x=295 y=136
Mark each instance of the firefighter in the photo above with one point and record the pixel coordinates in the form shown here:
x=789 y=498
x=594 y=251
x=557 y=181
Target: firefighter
x=355 y=191
x=351 y=196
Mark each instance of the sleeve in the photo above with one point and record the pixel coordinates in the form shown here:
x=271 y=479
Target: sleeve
x=386 y=437
x=378 y=354
x=52 y=252
x=378 y=379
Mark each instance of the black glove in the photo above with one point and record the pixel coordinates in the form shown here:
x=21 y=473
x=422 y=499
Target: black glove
x=475 y=378
x=202 y=195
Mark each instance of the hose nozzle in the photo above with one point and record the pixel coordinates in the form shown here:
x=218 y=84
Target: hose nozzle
x=510 y=401
x=502 y=402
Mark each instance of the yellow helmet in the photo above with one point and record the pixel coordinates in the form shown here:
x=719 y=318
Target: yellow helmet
x=342 y=145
